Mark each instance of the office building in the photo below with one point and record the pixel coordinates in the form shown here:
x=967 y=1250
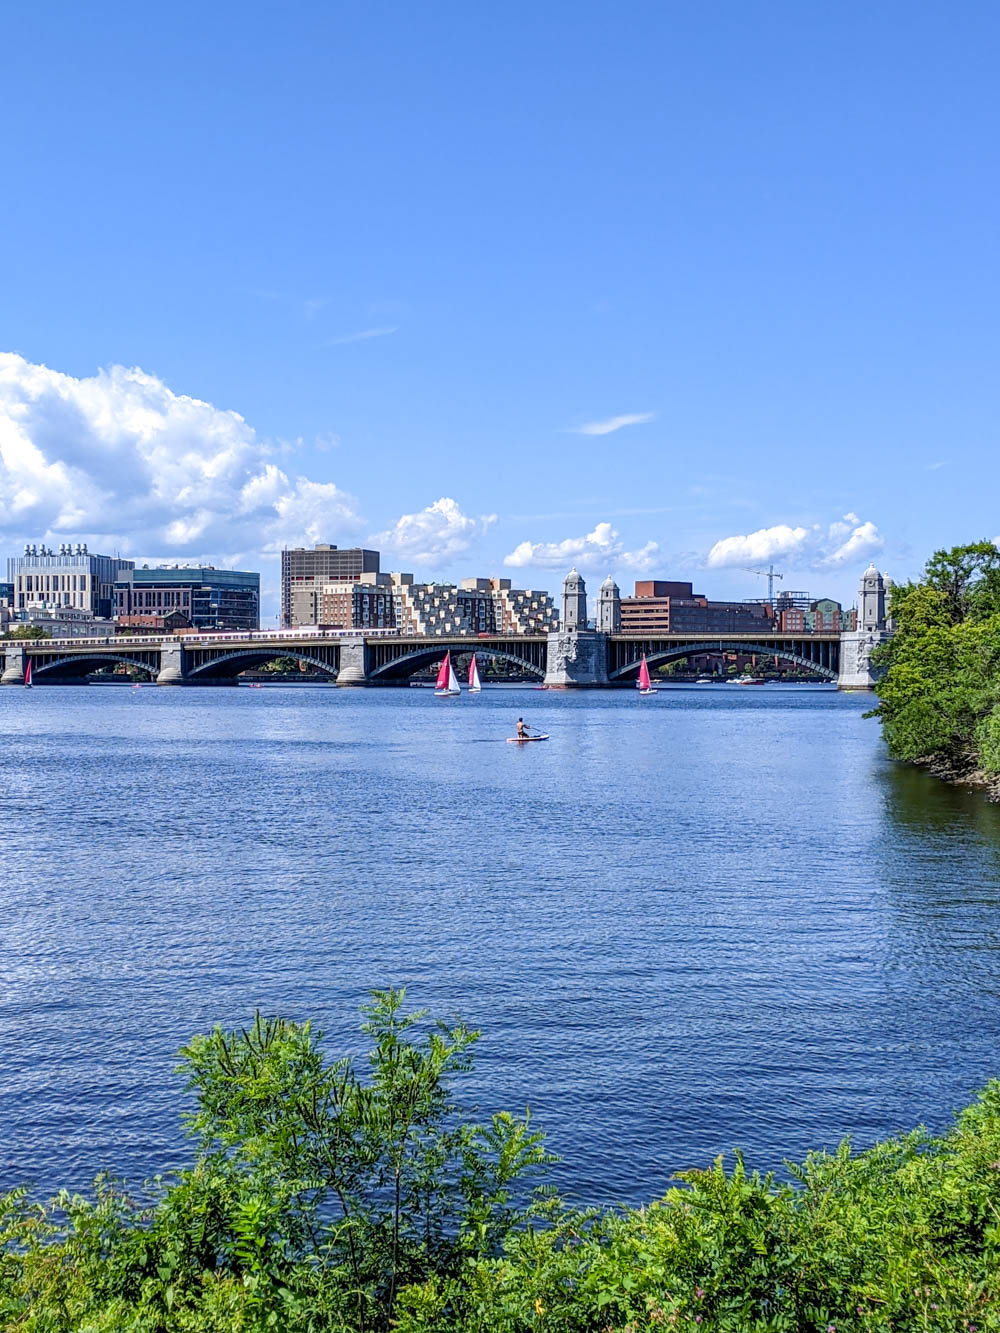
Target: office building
x=305 y=571
x=70 y=577
x=210 y=599
x=661 y=606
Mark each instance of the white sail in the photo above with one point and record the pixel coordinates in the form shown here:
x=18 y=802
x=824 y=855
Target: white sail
x=453 y=685
x=475 y=685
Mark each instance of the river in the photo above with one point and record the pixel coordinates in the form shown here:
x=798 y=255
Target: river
x=713 y=918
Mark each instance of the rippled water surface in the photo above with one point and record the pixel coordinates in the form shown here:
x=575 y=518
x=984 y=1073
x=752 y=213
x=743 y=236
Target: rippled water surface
x=714 y=918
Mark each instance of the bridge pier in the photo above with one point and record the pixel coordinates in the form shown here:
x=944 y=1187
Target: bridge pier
x=856 y=670
x=576 y=659
x=353 y=663
x=171 y=665
x=15 y=661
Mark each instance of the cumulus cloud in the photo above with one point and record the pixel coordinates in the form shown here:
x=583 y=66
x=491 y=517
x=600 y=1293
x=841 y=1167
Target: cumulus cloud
x=613 y=423
x=846 y=540
x=437 y=532
x=121 y=460
x=601 y=548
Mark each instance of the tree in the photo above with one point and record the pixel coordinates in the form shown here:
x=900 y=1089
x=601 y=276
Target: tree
x=32 y=632
x=941 y=686
x=380 y=1181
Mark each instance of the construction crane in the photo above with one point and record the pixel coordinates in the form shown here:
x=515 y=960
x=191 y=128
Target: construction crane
x=768 y=574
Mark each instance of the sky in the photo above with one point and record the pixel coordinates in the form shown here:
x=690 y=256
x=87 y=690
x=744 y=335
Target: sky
x=660 y=290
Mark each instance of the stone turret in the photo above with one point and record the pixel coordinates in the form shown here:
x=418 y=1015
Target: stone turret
x=574 y=602
x=609 y=607
x=871 y=601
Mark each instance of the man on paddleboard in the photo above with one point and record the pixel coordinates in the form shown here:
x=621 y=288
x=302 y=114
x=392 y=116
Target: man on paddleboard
x=522 y=730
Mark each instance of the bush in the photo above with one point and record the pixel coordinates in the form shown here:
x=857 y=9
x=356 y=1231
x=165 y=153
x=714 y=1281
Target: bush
x=321 y=1201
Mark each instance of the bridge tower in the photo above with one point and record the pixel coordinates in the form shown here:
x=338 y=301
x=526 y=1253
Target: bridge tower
x=577 y=657
x=574 y=602
x=871 y=601
x=874 y=627
x=609 y=608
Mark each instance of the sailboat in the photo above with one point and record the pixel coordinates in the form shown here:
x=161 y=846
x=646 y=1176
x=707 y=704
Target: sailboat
x=474 y=682
x=27 y=675
x=447 y=682
x=644 y=686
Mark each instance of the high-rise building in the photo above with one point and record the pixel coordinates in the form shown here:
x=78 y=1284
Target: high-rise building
x=304 y=571
x=224 y=599
x=70 y=577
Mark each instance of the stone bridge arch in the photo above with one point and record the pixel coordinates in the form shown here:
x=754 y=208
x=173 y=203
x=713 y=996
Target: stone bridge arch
x=676 y=652
x=403 y=665
x=74 y=665
x=226 y=664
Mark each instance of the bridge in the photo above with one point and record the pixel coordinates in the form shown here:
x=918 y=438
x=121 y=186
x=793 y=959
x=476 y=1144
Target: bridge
x=561 y=659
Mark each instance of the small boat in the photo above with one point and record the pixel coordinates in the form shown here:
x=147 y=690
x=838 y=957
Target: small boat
x=446 y=686
x=27 y=675
x=523 y=740
x=704 y=680
x=751 y=680
x=644 y=685
x=474 y=683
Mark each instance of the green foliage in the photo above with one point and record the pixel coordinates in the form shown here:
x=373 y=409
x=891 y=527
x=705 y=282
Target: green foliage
x=939 y=697
x=321 y=1200
x=31 y=632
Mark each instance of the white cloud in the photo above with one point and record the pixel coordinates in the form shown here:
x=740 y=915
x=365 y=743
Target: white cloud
x=602 y=548
x=846 y=539
x=437 y=532
x=121 y=460
x=363 y=336
x=613 y=423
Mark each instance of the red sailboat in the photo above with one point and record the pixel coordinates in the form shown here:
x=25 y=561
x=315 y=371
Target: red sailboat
x=446 y=684
x=27 y=675
x=644 y=684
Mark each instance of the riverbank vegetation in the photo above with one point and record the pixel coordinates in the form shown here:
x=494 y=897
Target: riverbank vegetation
x=939 y=700
x=321 y=1198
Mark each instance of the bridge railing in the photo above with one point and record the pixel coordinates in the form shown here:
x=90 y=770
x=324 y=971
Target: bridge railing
x=209 y=636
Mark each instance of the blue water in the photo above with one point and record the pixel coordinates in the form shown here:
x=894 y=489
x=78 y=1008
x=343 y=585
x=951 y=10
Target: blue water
x=719 y=917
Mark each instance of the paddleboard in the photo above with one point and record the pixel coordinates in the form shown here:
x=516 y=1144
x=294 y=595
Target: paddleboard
x=523 y=740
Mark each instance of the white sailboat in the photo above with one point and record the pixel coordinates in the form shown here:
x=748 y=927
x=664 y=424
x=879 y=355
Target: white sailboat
x=475 y=685
x=447 y=682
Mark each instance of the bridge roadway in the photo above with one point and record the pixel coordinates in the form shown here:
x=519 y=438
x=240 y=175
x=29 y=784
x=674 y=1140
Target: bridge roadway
x=386 y=657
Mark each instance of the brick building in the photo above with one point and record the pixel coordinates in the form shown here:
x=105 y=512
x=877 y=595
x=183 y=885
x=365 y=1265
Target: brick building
x=662 y=606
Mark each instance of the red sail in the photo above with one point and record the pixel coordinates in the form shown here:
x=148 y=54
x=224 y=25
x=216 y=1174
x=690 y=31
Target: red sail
x=443 y=671
x=643 y=674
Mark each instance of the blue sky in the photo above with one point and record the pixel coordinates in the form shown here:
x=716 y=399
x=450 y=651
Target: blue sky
x=432 y=254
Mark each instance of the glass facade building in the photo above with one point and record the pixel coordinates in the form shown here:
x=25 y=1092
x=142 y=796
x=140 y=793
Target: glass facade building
x=227 y=599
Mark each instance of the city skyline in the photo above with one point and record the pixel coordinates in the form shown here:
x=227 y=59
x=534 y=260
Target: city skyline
x=666 y=299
